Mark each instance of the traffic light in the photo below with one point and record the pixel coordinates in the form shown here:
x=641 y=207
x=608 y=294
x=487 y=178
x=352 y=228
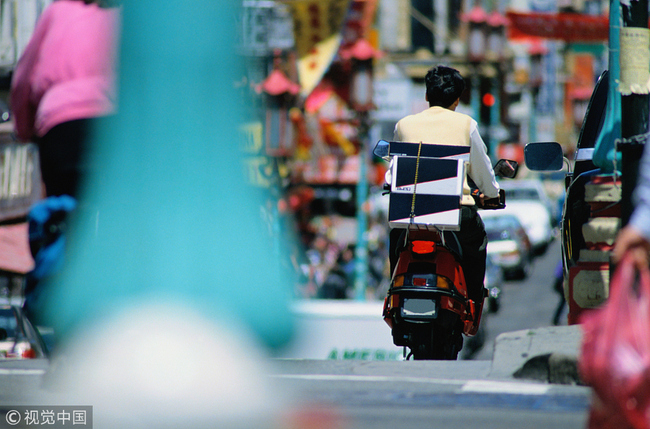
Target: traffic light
x=488 y=99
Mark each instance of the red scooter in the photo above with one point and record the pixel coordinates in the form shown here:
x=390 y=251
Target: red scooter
x=427 y=305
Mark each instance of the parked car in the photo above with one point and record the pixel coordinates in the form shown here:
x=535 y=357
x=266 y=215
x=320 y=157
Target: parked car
x=508 y=244
x=527 y=200
x=18 y=337
x=493 y=283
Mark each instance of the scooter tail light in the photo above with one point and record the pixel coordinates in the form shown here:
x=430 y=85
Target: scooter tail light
x=419 y=281
x=443 y=282
x=423 y=247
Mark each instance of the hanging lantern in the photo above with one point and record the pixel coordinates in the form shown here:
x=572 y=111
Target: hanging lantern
x=496 y=40
x=361 y=53
x=281 y=93
x=537 y=50
x=477 y=19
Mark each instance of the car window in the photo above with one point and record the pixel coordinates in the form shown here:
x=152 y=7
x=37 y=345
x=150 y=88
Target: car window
x=500 y=222
x=522 y=194
x=595 y=115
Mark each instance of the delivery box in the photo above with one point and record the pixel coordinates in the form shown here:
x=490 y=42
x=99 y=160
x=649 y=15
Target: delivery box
x=430 y=202
x=434 y=176
x=428 y=150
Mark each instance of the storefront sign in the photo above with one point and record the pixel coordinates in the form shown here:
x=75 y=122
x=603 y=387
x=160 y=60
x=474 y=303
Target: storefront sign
x=317 y=28
x=562 y=26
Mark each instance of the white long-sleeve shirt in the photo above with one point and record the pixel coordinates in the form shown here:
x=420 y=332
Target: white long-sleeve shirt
x=438 y=125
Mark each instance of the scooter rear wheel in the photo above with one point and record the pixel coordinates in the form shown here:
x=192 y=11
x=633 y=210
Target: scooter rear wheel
x=437 y=343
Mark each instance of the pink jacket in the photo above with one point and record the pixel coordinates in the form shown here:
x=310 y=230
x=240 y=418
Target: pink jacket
x=67 y=69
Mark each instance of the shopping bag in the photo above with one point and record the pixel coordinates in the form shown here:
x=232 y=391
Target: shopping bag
x=615 y=352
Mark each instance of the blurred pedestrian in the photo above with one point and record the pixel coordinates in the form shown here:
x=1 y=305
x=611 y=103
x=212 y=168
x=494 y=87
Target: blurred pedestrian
x=340 y=277
x=634 y=238
x=558 y=282
x=63 y=80
x=558 y=287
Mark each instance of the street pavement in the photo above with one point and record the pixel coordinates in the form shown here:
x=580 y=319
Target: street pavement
x=531 y=382
x=526 y=377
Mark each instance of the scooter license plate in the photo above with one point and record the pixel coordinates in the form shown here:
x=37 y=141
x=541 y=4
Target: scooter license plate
x=420 y=308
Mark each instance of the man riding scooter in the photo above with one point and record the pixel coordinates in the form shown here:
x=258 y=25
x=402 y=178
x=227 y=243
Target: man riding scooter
x=441 y=124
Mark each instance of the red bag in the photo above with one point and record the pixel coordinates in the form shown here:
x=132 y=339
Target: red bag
x=615 y=356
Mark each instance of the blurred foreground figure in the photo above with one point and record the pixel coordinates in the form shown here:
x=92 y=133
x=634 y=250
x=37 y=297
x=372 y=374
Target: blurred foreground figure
x=64 y=79
x=171 y=292
x=635 y=236
x=162 y=365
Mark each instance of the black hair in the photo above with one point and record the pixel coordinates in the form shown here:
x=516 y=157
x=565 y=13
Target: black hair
x=444 y=86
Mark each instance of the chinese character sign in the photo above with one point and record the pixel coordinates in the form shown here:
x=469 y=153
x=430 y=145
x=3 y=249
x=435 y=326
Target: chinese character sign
x=317 y=30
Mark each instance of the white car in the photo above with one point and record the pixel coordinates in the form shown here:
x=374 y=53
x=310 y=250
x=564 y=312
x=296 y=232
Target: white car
x=527 y=200
x=508 y=244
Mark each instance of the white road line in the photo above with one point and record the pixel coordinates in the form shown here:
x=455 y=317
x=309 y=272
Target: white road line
x=379 y=378
x=467 y=386
x=5 y=371
x=487 y=386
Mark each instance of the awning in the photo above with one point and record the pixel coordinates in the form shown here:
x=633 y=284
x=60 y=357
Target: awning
x=278 y=83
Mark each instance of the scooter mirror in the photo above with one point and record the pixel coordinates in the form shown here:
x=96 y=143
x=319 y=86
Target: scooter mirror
x=382 y=149
x=546 y=156
x=506 y=168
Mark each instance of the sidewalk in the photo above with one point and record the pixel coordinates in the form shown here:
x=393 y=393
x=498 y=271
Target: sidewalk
x=545 y=354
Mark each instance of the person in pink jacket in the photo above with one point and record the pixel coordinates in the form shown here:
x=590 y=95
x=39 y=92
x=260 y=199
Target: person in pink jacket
x=64 y=80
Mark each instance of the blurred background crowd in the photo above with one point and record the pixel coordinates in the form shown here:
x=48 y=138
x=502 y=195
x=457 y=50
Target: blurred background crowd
x=327 y=79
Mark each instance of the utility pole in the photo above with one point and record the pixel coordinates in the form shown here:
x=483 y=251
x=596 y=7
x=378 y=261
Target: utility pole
x=635 y=71
x=361 y=249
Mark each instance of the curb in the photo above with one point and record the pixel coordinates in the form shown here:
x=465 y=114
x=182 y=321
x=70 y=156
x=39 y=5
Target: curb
x=544 y=354
x=554 y=368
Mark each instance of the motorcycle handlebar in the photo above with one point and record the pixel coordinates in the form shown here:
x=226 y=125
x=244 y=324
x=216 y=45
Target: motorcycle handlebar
x=491 y=203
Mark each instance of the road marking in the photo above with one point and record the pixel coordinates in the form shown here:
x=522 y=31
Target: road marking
x=378 y=378
x=467 y=386
x=4 y=371
x=486 y=386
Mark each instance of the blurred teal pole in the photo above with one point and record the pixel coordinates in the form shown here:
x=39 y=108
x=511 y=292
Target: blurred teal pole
x=532 y=122
x=605 y=153
x=166 y=213
x=475 y=99
x=361 y=249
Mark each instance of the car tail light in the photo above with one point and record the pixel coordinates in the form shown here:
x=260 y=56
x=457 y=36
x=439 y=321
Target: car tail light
x=399 y=281
x=29 y=354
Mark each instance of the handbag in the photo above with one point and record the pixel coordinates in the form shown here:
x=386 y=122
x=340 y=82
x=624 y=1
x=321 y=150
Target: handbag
x=615 y=352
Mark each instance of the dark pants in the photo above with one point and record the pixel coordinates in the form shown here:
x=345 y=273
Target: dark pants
x=473 y=244
x=61 y=152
